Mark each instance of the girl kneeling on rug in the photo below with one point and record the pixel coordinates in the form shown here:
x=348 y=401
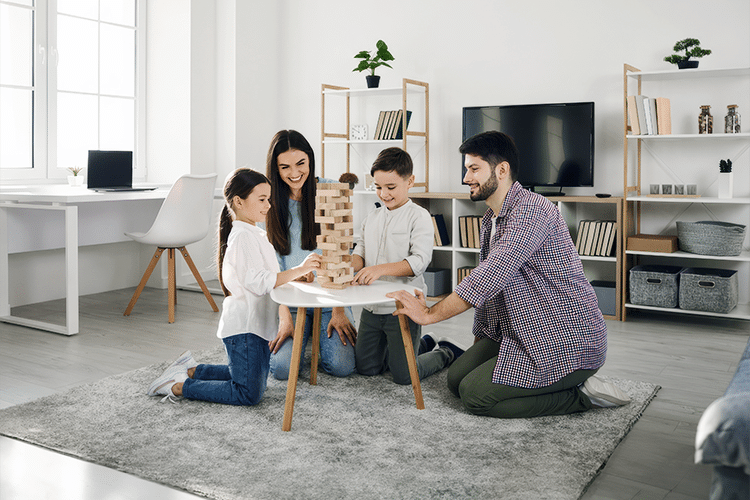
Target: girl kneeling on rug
x=248 y=271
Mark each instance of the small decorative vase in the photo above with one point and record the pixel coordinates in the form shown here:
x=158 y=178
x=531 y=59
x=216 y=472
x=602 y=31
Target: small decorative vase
x=725 y=184
x=75 y=180
x=687 y=64
x=372 y=81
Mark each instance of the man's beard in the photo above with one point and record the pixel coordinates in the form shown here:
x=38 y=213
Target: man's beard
x=487 y=189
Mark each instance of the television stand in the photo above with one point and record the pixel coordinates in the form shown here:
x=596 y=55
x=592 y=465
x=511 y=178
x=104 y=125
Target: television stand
x=559 y=192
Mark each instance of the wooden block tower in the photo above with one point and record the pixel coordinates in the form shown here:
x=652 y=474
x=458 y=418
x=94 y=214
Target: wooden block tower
x=333 y=211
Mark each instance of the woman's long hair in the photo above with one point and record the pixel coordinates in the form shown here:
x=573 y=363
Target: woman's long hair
x=279 y=219
x=240 y=183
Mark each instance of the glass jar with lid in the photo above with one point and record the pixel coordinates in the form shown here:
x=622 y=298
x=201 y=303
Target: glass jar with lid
x=732 y=120
x=705 y=121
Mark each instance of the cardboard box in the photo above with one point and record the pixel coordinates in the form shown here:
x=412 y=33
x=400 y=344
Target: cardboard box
x=652 y=243
x=438 y=281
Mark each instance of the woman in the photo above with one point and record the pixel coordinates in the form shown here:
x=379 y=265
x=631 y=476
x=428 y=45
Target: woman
x=291 y=228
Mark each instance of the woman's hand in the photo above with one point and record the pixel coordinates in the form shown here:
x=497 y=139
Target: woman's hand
x=340 y=322
x=286 y=329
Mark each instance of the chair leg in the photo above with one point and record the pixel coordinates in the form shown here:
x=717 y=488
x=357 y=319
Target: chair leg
x=198 y=278
x=142 y=284
x=172 y=285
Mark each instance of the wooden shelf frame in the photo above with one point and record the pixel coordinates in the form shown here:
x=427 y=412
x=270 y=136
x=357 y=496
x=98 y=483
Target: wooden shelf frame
x=408 y=87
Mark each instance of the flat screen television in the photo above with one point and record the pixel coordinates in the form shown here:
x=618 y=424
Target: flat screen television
x=555 y=141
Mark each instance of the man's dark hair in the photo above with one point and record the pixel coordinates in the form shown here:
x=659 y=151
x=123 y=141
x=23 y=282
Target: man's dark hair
x=393 y=159
x=494 y=148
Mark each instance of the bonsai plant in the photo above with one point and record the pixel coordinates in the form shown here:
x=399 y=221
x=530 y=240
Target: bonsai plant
x=692 y=48
x=370 y=62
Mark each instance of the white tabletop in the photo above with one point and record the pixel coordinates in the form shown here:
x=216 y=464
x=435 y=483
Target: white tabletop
x=299 y=294
x=62 y=193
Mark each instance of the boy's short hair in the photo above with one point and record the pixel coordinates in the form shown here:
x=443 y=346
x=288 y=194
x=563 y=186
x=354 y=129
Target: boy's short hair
x=393 y=159
x=494 y=148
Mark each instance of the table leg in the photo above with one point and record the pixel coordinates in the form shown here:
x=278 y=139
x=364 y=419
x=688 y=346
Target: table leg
x=291 y=385
x=411 y=359
x=315 y=347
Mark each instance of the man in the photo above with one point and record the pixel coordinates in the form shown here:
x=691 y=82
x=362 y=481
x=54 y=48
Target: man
x=539 y=334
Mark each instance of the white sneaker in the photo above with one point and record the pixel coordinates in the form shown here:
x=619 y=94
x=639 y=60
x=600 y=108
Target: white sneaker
x=162 y=386
x=604 y=394
x=186 y=358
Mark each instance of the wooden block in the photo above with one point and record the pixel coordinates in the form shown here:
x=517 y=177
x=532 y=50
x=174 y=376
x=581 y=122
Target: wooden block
x=332 y=185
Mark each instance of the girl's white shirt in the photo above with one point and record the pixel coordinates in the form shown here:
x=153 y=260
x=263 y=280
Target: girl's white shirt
x=249 y=273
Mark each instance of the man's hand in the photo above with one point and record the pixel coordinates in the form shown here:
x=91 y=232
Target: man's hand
x=414 y=306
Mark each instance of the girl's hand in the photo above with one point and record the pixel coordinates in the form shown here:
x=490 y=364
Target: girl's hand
x=306 y=278
x=367 y=275
x=311 y=263
x=340 y=323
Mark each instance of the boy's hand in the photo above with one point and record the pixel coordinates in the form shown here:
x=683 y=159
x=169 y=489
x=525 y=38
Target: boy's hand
x=367 y=275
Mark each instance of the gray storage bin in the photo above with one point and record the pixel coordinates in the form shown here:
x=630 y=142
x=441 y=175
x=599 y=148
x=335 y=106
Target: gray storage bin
x=712 y=290
x=710 y=237
x=605 y=294
x=654 y=285
x=438 y=281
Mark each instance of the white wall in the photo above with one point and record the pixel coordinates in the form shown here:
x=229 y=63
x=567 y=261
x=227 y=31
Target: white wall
x=488 y=52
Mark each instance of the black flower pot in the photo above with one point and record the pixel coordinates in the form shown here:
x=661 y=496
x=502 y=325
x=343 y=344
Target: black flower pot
x=372 y=81
x=687 y=64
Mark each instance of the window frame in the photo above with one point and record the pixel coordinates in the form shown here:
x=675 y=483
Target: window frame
x=44 y=119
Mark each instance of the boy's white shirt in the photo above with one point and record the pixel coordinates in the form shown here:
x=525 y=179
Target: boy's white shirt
x=249 y=273
x=387 y=236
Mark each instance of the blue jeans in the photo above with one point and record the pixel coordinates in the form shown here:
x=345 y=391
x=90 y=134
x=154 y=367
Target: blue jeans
x=242 y=382
x=336 y=358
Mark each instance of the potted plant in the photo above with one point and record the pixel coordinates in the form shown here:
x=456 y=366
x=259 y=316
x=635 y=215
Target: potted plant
x=692 y=48
x=75 y=179
x=370 y=62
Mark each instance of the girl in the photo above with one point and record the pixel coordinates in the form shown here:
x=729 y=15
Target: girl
x=248 y=271
x=290 y=167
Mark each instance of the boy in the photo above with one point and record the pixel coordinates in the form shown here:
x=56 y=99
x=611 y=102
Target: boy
x=396 y=245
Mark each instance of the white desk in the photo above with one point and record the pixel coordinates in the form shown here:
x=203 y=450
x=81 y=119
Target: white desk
x=68 y=200
x=303 y=295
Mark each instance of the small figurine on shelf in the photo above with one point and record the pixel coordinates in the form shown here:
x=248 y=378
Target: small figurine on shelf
x=725 y=179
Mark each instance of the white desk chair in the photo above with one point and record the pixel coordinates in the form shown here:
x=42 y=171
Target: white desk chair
x=184 y=218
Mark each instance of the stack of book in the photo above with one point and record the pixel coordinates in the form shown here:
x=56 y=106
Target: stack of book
x=390 y=125
x=462 y=273
x=441 y=232
x=596 y=238
x=649 y=116
x=468 y=230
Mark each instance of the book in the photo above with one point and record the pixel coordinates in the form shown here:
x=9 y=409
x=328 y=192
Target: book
x=591 y=237
x=477 y=234
x=399 y=128
x=442 y=229
x=436 y=233
x=640 y=106
x=379 y=126
x=579 y=235
x=463 y=272
x=663 y=116
x=635 y=128
x=583 y=235
x=651 y=124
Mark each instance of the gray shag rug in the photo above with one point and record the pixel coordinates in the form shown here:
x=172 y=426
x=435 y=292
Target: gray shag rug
x=358 y=437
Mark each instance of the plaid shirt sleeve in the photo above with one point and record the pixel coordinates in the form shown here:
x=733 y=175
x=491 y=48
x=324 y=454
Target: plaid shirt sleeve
x=532 y=297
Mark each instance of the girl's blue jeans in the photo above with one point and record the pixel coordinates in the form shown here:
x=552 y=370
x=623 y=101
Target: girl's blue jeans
x=241 y=382
x=336 y=358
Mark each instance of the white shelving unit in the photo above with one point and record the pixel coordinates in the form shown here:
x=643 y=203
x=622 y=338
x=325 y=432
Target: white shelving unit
x=364 y=105
x=641 y=210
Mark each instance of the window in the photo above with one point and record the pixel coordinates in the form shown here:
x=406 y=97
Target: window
x=70 y=81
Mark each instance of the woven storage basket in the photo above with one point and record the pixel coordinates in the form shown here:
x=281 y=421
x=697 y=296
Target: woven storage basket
x=654 y=285
x=712 y=290
x=710 y=237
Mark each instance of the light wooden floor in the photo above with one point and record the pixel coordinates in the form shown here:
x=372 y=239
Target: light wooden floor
x=693 y=360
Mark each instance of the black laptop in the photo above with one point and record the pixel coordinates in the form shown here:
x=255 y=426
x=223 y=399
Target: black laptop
x=112 y=171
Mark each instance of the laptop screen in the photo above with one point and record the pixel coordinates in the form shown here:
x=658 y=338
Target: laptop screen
x=110 y=169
